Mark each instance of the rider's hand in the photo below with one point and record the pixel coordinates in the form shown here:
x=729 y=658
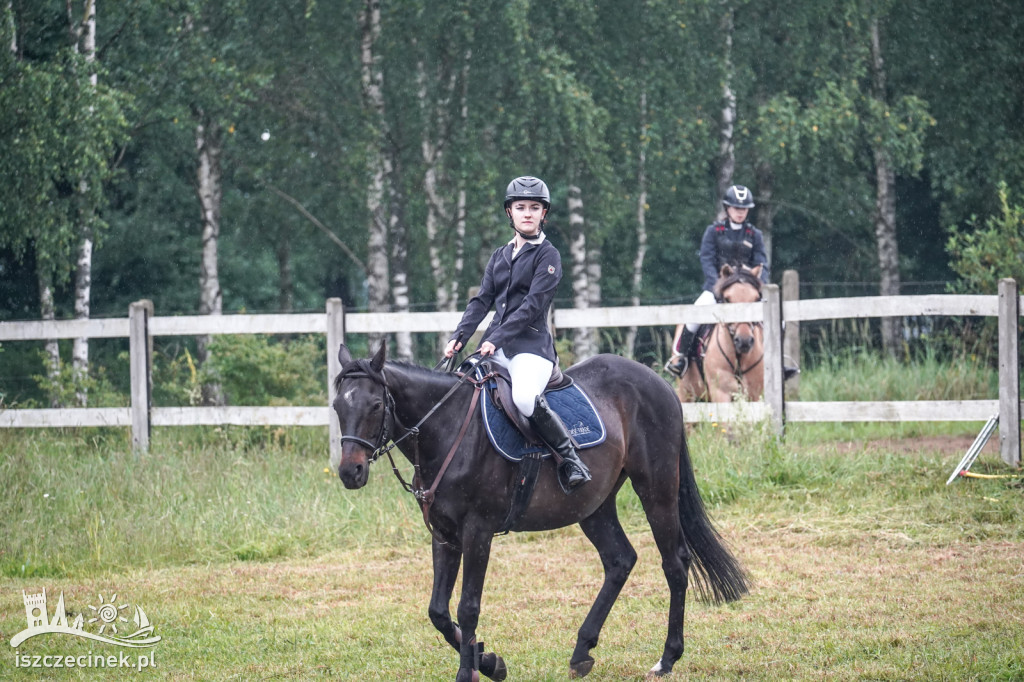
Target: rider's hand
x=452 y=348
x=487 y=348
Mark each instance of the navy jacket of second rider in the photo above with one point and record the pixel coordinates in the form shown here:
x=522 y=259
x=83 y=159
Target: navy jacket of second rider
x=521 y=291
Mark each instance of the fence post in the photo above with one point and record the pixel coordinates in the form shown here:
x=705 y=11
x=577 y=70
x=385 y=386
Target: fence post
x=335 y=337
x=1009 y=372
x=773 y=387
x=141 y=376
x=791 y=338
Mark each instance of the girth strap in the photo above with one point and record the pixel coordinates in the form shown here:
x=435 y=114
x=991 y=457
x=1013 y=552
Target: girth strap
x=522 y=491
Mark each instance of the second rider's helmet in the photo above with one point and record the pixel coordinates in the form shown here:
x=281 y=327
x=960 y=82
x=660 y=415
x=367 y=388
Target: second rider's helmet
x=738 y=196
x=528 y=187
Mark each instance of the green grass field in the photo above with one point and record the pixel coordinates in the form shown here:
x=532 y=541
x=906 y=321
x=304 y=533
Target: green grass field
x=252 y=562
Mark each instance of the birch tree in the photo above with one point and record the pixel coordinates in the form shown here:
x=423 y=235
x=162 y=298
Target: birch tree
x=584 y=344
x=885 y=200
x=58 y=133
x=85 y=33
x=727 y=123
x=378 y=164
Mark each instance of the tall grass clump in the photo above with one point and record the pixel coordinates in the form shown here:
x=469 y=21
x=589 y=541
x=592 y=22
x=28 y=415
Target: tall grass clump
x=864 y=374
x=78 y=502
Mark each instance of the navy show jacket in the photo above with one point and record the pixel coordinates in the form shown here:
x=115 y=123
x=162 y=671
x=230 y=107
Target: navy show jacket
x=521 y=291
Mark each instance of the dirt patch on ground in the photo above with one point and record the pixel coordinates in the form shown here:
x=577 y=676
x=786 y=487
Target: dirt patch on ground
x=950 y=445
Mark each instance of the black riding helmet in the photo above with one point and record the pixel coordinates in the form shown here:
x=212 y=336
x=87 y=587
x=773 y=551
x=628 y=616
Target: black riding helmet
x=738 y=196
x=528 y=187
x=533 y=189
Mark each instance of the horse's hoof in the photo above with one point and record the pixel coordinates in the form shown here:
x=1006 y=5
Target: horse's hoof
x=493 y=666
x=581 y=668
x=658 y=671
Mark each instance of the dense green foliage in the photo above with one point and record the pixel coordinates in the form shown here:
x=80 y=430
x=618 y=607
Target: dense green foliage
x=992 y=249
x=581 y=93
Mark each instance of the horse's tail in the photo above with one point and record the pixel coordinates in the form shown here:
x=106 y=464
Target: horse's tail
x=717 y=574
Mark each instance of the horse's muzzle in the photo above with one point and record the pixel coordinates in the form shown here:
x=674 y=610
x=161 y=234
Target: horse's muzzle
x=354 y=470
x=744 y=344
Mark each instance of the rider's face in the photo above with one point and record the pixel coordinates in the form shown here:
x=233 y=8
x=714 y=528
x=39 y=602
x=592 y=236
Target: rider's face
x=737 y=215
x=526 y=215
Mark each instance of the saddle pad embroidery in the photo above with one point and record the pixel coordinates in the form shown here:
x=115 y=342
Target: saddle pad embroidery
x=573 y=407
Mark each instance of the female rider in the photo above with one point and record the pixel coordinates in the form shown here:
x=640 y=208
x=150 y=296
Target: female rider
x=519 y=284
x=733 y=241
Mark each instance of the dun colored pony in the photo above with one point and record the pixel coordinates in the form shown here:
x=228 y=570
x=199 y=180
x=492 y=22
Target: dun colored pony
x=465 y=489
x=733 y=356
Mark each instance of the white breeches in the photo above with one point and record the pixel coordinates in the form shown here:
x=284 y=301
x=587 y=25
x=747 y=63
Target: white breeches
x=530 y=374
x=705 y=298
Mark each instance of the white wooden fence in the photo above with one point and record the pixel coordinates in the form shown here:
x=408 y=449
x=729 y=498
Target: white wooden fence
x=142 y=326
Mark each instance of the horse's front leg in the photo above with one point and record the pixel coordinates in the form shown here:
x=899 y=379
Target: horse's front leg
x=446 y=571
x=476 y=554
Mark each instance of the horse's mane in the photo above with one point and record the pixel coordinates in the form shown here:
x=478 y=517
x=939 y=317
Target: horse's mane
x=738 y=276
x=364 y=367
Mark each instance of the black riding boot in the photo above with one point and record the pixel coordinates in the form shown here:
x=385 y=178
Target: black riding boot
x=572 y=472
x=687 y=349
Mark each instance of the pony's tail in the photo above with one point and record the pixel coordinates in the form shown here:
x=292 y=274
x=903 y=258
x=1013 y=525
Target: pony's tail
x=717 y=574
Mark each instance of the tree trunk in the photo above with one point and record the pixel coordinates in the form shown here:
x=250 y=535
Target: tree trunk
x=885 y=209
x=209 y=190
x=12 y=27
x=52 y=349
x=432 y=152
x=583 y=342
x=285 y=281
x=636 y=284
x=726 y=146
x=83 y=269
x=459 y=246
x=398 y=234
x=446 y=225
x=372 y=79
x=765 y=206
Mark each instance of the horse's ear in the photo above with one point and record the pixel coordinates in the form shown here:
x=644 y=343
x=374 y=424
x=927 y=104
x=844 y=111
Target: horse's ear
x=344 y=356
x=377 y=363
x=755 y=271
x=725 y=271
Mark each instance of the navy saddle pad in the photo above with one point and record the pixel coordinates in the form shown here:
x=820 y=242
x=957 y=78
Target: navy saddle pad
x=572 y=405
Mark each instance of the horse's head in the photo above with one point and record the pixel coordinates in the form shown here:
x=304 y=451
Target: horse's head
x=365 y=412
x=740 y=285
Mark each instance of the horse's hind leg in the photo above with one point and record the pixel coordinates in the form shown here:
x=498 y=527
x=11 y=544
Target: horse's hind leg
x=662 y=509
x=618 y=557
x=446 y=571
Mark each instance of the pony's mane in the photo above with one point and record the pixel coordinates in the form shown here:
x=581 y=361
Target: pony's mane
x=738 y=276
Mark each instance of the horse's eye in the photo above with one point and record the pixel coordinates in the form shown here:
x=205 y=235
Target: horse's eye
x=377 y=405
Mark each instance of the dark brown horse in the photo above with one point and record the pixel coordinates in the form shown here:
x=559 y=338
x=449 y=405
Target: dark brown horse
x=465 y=488
x=733 y=356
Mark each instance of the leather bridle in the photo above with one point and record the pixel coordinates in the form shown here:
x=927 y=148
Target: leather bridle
x=424 y=495
x=733 y=327
x=383 y=434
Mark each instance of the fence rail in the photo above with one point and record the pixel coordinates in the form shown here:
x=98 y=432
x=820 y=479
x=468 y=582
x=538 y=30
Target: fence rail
x=142 y=326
